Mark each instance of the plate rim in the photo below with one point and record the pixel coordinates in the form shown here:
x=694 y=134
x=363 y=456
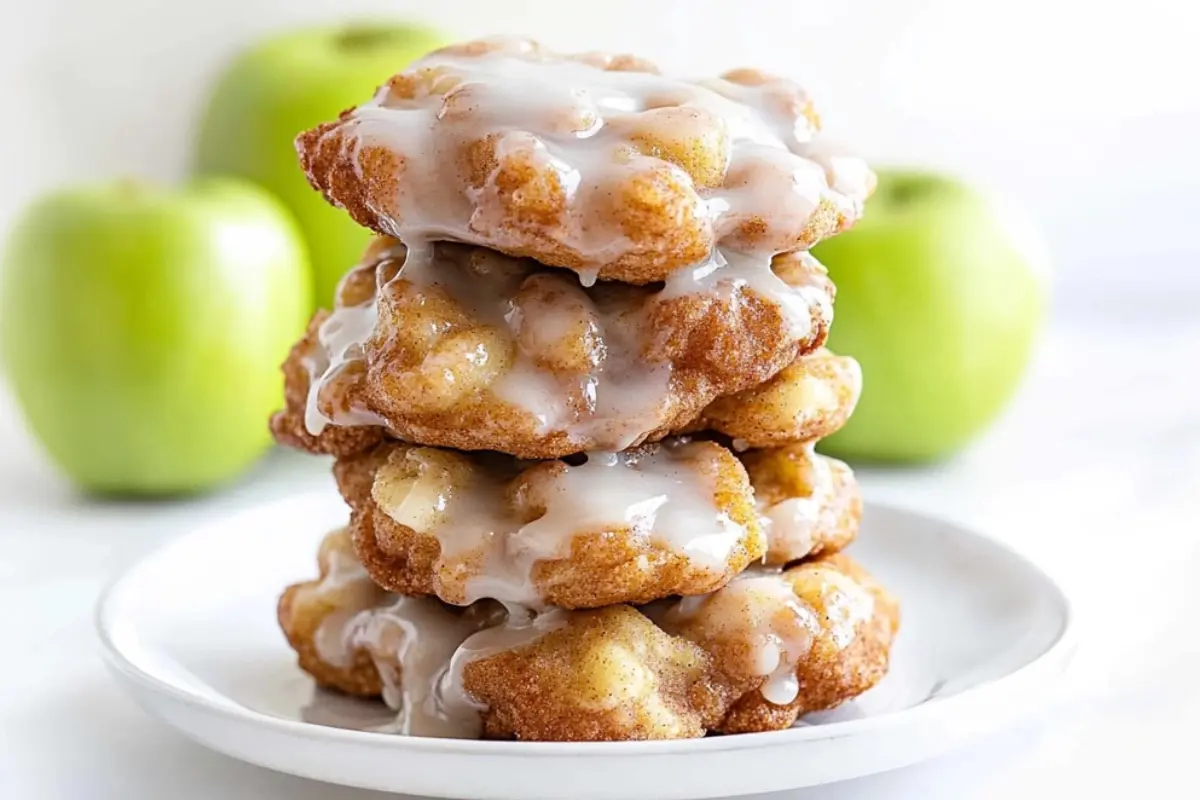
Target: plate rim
x=1037 y=674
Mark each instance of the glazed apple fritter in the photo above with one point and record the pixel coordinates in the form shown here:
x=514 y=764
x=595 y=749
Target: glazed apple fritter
x=594 y=162
x=457 y=346
x=752 y=656
x=675 y=518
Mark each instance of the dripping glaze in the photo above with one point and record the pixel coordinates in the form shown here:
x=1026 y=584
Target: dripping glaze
x=790 y=524
x=624 y=395
x=420 y=648
x=588 y=127
x=757 y=616
x=662 y=495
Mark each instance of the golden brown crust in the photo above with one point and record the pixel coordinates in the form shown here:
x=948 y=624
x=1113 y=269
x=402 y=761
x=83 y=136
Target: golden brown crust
x=827 y=517
x=666 y=180
x=608 y=675
x=832 y=672
x=397 y=558
x=621 y=365
x=304 y=606
x=613 y=564
x=809 y=399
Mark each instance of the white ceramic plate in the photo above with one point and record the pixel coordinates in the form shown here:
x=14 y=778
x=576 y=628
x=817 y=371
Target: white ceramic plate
x=191 y=633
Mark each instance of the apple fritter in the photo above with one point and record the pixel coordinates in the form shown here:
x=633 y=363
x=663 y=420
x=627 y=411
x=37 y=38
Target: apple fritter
x=809 y=504
x=791 y=643
x=313 y=615
x=668 y=519
x=456 y=346
x=752 y=656
x=809 y=399
x=593 y=162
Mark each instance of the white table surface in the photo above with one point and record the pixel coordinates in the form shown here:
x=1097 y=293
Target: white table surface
x=1095 y=471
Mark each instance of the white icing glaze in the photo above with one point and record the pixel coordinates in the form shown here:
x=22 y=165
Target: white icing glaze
x=347 y=584
x=517 y=630
x=779 y=101
x=771 y=183
x=592 y=127
x=580 y=364
x=848 y=174
x=340 y=342
x=660 y=495
x=791 y=523
x=487 y=551
x=420 y=649
x=569 y=347
x=758 y=617
x=782 y=685
x=847 y=604
x=726 y=270
x=412 y=641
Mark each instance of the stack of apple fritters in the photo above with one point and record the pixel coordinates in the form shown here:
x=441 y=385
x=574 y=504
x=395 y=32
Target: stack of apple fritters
x=573 y=390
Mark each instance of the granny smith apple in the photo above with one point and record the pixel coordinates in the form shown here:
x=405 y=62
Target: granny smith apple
x=142 y=329
x=286 y=85
x=940 y=296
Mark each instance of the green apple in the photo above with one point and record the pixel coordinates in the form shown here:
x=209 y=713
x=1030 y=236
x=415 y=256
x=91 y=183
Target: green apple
x=142 y=329
x=286 y=85
x=940 y=296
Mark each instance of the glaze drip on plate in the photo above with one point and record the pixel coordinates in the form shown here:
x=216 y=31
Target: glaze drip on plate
x=412 y=642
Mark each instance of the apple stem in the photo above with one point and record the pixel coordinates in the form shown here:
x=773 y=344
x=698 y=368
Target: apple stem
x=129 y=188
x=363 y=37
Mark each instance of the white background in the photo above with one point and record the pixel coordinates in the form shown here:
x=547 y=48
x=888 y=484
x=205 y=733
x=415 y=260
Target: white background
x=1087 y=112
